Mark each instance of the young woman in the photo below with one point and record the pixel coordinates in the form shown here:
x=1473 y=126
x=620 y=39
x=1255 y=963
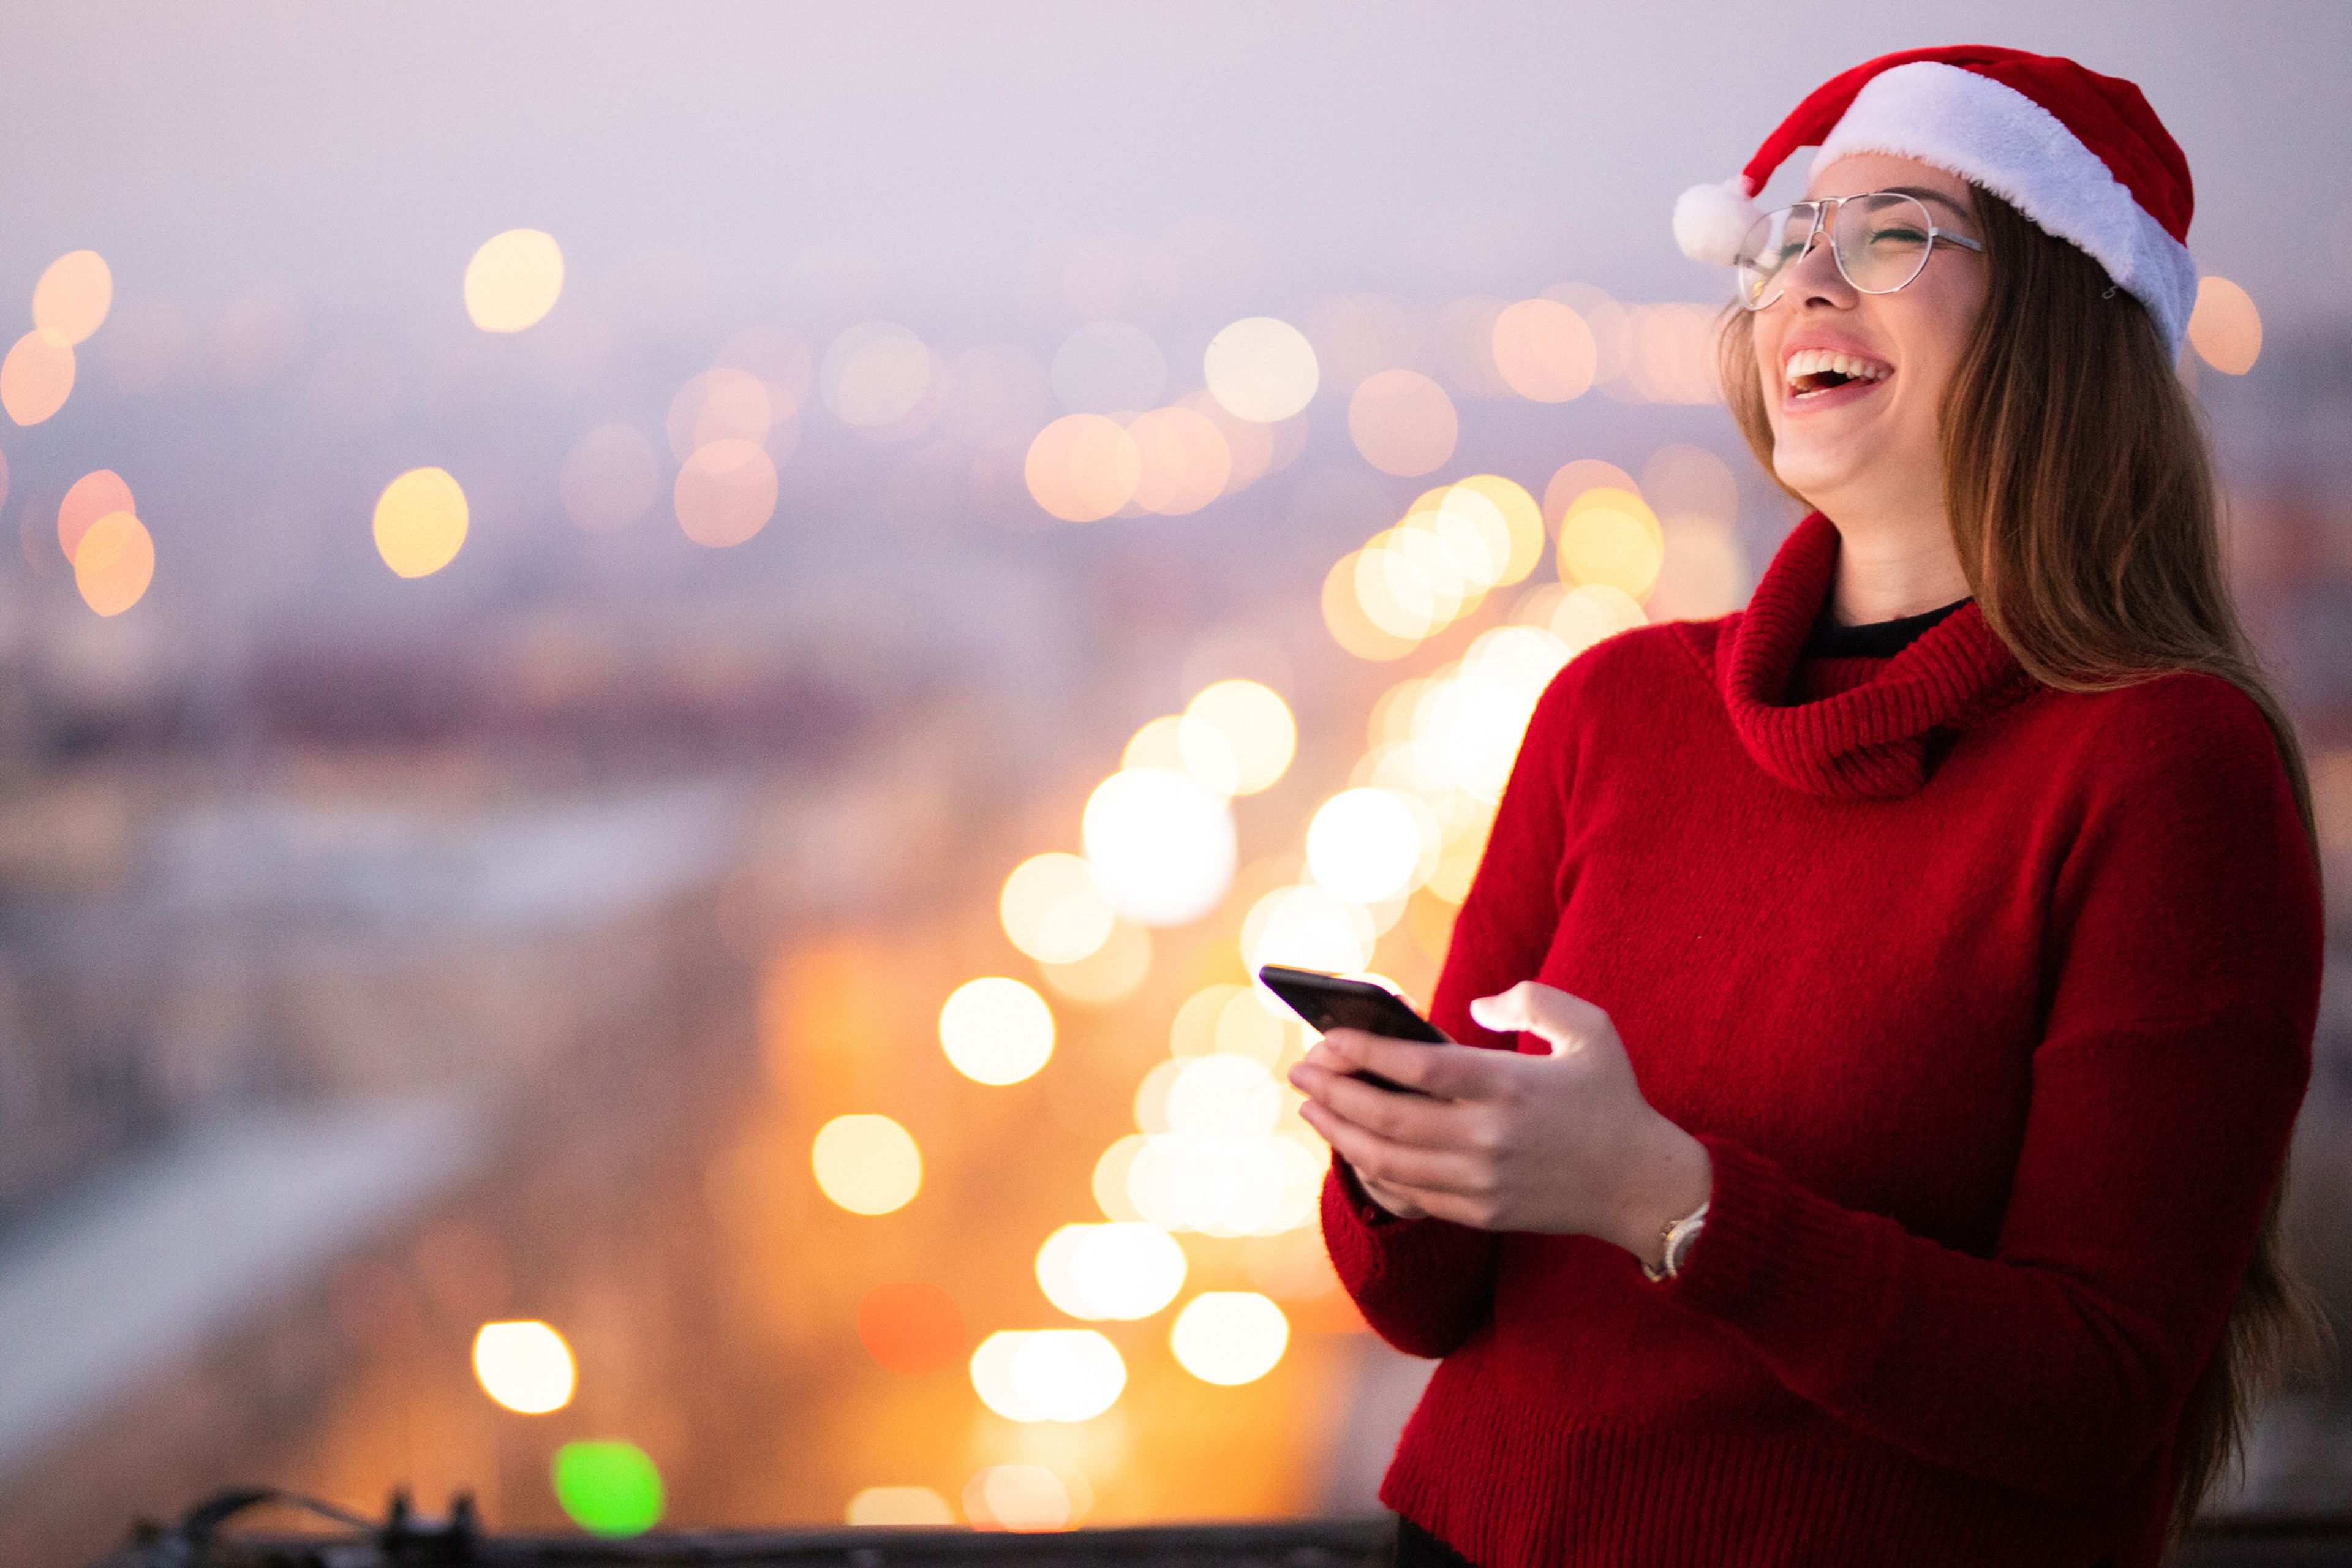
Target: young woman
x=1885 y=1009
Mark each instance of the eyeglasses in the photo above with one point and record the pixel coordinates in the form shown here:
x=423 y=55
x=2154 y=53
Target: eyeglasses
x=1880 y=240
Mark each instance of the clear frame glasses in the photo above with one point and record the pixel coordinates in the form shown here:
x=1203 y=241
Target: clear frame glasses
x=1880 y=240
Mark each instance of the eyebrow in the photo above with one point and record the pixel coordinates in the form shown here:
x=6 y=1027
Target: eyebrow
x=1925 y=194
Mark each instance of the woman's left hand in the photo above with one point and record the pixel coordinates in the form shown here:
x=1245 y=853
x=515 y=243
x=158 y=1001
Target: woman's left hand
x=1563 y=1144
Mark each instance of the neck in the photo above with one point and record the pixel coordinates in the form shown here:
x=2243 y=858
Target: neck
x=1887 y=572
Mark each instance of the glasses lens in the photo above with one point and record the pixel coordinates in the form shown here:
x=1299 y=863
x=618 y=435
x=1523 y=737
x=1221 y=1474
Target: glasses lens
x=1882 y=241
x=1773 y=242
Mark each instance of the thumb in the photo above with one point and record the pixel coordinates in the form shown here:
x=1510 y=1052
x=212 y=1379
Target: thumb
x=1536 y=1009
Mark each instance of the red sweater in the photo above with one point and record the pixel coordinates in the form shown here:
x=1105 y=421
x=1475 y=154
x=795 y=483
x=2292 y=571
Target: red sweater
x=1993 y=1004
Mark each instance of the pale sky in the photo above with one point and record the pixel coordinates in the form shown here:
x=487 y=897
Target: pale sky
x=345 y=152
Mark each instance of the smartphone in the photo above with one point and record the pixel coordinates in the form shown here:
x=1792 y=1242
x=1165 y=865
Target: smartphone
x=1335 y=1001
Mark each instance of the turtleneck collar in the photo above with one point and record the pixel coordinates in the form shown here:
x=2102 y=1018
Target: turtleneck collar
x=1869 y=741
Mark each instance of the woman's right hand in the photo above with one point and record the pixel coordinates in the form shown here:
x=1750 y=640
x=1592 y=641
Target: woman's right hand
x=1387 y=1197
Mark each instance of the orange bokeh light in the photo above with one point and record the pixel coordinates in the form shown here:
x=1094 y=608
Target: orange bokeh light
x=719 y=406
x=1083 y=466
x=36 y=378
x=1573 y=479
x=1545 y=351
x=780 y=360
x=1185 y=460
x=1403 y=421
x=726 y=492
x=72 y=297
x=912 y=1328
x=116 y=563
x=93 y=497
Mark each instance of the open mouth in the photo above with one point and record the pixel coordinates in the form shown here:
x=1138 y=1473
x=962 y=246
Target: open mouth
x=1812 y=371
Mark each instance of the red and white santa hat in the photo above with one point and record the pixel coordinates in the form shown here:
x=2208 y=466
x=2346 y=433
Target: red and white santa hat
x=2080 y=155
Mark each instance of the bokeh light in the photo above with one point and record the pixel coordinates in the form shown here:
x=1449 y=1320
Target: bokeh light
x=2224 y=327
x=609 y=479
x=1306 y=928
x=899 y=1506
x=1403 y=421
x=1068 y=1374
x=1208 y=755
x=1229 y=1337
x=36 y=378
x=996 y=1030
x=911 y=1328
x=1115 y=1270
x=514 y=281
x=1261 y=369
x=717 y=406
x=1573 y=479
x=1023 y=1497
x=725 y=492
x=780 y=360
x=1182 y=460
x=1366 y=845
x=1242 y=721
x=867 y=1163
x=1611 y=536
x=91 y=497
x=114 y=564
x=1110 y=974
x=525 y=1365
x=1544 y=352
x=875 y=375
x=1221 y=1096
x=1350 y=626
x=1047 y=1374
x=1356 y=335
x=420 y=522
x=71 y=300
x=608 y=1487
x=1162 y=844
x=1052 y=911
x=1083 y=466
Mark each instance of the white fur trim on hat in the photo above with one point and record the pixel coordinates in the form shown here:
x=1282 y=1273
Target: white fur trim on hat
x=1711 y=220
x=1997 y=137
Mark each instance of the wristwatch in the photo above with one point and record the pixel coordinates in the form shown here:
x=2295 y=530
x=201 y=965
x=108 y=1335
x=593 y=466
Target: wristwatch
x=1678 y=1237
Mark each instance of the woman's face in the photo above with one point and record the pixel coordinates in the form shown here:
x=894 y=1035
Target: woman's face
x=1870 y=442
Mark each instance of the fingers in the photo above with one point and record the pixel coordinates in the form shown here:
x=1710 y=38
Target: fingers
x=1378 y=1159
x=1448 y=1071
x=1544 y=1011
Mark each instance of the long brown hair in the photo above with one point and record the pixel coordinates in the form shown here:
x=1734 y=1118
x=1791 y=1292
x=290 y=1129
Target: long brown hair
x=2079 y=488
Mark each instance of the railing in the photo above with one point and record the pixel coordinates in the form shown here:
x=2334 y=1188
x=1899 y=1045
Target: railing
x=406 y=1540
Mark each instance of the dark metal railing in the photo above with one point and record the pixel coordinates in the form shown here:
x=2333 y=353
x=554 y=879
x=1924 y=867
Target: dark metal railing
x=405 y=1540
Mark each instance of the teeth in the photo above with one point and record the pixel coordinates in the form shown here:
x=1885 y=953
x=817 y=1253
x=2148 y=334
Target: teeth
x=1814 y=362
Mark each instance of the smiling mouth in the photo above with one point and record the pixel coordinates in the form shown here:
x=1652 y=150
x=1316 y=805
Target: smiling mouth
x=1812 y=371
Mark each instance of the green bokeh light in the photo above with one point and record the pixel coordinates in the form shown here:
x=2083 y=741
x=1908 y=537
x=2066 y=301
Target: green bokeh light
x=608 y=1489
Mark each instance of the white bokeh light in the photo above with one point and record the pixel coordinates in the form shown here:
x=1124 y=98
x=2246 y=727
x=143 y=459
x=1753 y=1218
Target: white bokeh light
x=1162 y=844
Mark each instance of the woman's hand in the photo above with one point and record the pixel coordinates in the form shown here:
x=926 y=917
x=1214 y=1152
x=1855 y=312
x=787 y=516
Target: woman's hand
x=1562 y=1144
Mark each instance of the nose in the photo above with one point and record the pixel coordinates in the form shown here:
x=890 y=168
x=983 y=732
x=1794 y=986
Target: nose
x=1814 y=276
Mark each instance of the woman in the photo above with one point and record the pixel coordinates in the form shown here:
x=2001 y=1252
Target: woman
x=1885 y=1008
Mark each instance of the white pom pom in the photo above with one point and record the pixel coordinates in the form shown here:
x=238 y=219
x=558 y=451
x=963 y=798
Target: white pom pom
x=1711 y=220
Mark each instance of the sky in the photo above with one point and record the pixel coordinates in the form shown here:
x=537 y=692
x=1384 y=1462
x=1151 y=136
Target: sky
x=351 y=156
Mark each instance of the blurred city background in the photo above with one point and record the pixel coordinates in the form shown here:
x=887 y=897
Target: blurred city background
x=663 y=665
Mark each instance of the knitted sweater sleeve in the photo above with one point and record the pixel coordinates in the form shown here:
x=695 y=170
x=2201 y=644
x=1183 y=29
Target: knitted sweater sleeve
x=2183 y=994
x=1425 y=1285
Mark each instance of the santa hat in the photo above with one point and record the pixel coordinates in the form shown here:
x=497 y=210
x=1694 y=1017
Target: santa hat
x=2080 y=155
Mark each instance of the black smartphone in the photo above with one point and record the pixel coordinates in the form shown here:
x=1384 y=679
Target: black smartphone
x=1335 y=1001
